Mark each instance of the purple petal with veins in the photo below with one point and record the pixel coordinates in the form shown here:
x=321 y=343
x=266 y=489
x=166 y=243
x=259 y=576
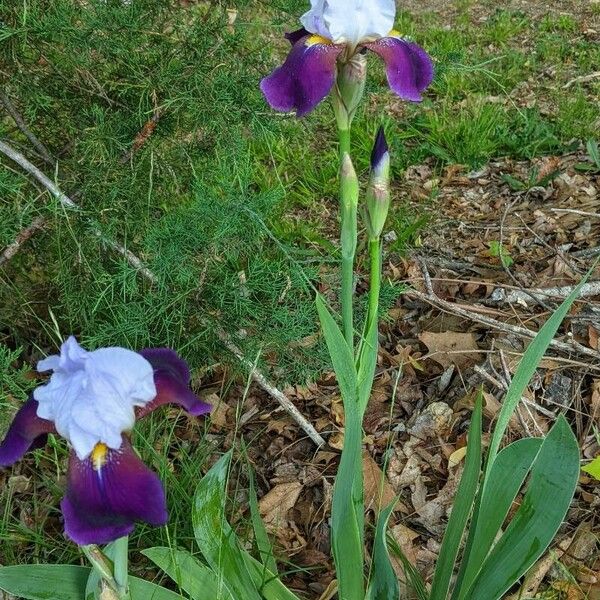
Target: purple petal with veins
x=409 y=68
x=107 y=493
x=304 y=79
x=26 y=432
x=172 y=379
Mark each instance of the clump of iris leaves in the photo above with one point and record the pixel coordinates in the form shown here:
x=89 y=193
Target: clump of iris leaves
x=231 y=206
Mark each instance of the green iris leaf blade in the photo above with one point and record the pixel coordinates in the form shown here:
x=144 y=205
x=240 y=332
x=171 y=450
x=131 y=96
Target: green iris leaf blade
x=554 y=477
x=215 y=538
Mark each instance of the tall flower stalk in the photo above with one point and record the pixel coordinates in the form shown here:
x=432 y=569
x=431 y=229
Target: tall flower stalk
x=328 y=57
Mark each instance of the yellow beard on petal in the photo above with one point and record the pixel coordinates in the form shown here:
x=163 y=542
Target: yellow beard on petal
x=317 y=39
x=394 y=33
x=99 y=456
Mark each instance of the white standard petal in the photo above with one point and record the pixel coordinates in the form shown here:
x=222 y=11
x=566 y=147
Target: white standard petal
x=356 y=21
x=134 y=375
x=313 y=21
x=91 y=396
x=71 y=357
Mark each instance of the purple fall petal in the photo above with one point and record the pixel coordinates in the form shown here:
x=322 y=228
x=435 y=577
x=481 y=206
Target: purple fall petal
x=107 y=493
x=379 y=149
x=172 y=378
x=409 y=68
x=27 y=431
x=304 y=79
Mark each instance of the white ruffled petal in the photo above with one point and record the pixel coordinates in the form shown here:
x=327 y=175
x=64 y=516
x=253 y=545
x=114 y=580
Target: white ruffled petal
x=83 y=442
x=132 y=373
x=49 y=363
x=350 y=21
x=91 y=396
x=312 y=20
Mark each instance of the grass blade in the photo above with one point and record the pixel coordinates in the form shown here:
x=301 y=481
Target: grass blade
x=270 y=586
x=341 y=356
x=415 y=581
x=347 y=511
x=48 y=582
x=67 y=582
x=554 y=477
x=347 y=515
x=461 y=509
x=263 y=544
x=367 y=362
x=384 y=583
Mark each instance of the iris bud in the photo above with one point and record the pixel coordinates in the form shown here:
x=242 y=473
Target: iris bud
x=349 y=203
x=351 y=78
x=378 y=191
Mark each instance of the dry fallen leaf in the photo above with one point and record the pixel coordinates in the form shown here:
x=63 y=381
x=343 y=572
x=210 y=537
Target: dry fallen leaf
x=451 y=348
x=19 y=484
x=405 y=538
x=378 y=492
x=275 y=504
x=456 y=457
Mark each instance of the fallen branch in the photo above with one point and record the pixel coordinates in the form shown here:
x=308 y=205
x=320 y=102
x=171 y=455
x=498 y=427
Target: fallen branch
x=573 y=347
x=137 y=263
x=18 y=119
x=24 y=235
x=582 y=79
x=572 y=211
x=35 y=172
x=500 y=295
x=283 y=400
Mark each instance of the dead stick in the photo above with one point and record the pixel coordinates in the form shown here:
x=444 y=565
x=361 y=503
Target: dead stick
x=26 y=233
x=283 y=400
x=35 y=172
x=522 y=296
x=506 y=327
x=18 y=119
x=137 y=263
x=65 y=201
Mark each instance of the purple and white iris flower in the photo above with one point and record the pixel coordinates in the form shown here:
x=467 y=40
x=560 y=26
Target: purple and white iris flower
x=331 y=45
x=93 y=399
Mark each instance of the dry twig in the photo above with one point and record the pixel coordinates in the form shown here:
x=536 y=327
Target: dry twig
x=283 y=400
x=26 y=233
x=572 y=348
x=18 y=119
x=522 y=296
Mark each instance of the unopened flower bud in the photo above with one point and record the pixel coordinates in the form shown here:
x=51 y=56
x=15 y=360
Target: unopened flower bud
x=378 y=191
x=349 y=203
x=349 y=182
x=352 y=76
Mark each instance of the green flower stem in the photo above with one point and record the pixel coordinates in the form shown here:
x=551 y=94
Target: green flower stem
x=349 y=208
x=121 y=568
x=344 y=137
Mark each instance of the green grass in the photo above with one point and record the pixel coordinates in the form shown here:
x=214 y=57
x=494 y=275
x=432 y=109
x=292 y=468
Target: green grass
x=233 y=206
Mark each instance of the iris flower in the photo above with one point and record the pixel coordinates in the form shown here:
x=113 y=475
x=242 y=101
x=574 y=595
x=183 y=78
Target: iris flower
x=93 y=399
x=336 y=33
